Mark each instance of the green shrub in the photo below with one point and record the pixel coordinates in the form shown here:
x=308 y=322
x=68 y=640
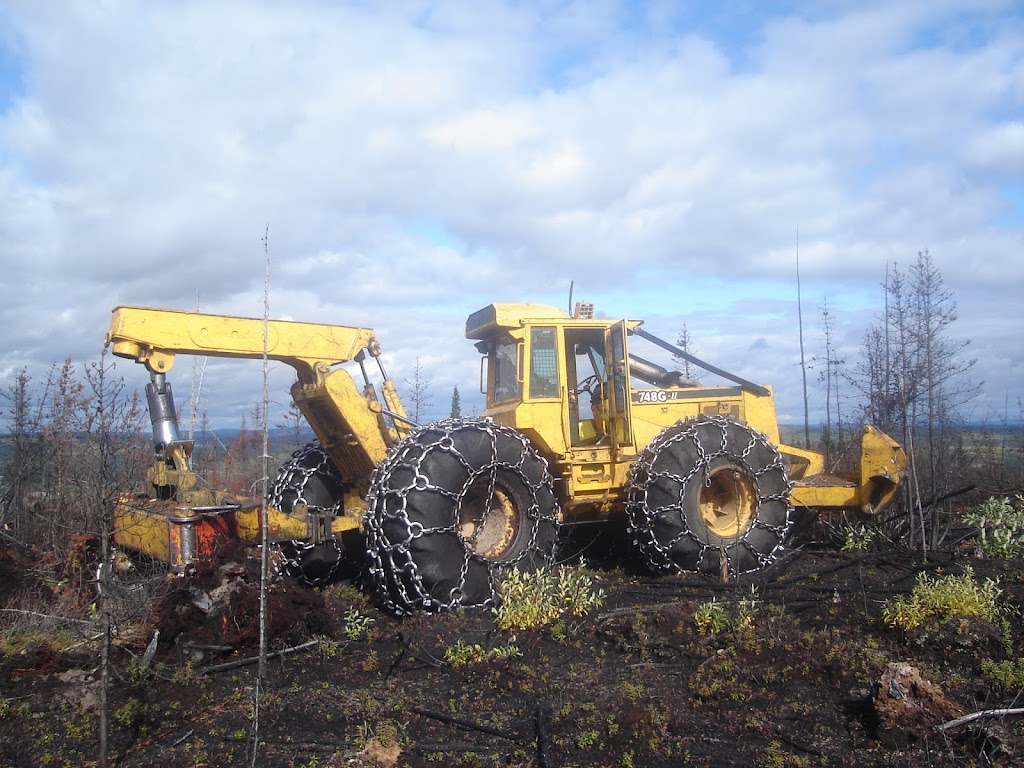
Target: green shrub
x=1000 y=525
x=1007 y=675
x=943 y=598
x=529 y=600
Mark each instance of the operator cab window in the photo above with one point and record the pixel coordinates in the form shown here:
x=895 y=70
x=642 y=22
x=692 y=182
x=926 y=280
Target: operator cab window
x=506 y=375
x=543 y=363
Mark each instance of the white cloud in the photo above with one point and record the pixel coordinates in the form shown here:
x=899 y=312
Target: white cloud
x=662 y=158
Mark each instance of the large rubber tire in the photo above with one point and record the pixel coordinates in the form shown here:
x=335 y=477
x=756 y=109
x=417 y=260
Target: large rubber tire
x=449 y=508
x=309 y=478
x=706 y=489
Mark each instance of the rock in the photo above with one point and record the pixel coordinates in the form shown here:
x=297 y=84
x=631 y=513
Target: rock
x=224 y=596
x=232 y=569
x=200 y=599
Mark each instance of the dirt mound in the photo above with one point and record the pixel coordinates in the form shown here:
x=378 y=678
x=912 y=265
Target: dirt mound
x=219 y=606
x=910 y=706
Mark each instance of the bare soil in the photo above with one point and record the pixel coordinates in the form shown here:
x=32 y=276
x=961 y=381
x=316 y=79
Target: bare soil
x=807 y=674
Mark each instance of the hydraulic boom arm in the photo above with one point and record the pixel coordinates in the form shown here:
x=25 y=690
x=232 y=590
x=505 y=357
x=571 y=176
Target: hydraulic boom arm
x=350 y=424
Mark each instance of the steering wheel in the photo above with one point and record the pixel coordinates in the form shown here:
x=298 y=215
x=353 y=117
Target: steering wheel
x=588 y=385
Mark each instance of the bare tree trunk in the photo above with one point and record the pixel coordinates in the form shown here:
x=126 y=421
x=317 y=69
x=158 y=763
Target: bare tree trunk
x=103 y=586
x=261 y=675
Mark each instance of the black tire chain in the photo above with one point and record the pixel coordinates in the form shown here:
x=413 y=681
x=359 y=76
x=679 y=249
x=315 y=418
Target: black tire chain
x=639 y=519
x=289 y=489
x=393 y=570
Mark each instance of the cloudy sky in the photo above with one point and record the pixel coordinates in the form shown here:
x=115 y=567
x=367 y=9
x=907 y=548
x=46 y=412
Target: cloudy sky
x=413 y=161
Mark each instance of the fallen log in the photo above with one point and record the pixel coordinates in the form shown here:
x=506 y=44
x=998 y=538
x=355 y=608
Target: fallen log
x=466 y=724
x=977 y=716
x=254 y=659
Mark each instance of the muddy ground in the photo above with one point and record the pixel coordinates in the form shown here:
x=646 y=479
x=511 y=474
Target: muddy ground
x=803 y=672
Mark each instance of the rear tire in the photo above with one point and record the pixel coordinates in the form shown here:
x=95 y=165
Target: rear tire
x=449 y=508
x=309 y=478
x=706 y=489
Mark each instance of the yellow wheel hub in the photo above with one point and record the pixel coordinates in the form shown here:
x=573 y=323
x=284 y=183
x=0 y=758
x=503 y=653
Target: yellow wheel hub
x=728 y=501
x=488 y=527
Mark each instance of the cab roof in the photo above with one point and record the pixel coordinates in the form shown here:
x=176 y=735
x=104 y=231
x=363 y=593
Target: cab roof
x=485 y=322
x=494 y=318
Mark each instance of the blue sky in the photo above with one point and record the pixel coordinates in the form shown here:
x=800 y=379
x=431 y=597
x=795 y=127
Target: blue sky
x=417 y=160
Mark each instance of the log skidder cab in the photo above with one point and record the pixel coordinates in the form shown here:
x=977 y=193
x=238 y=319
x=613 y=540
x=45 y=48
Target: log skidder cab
x=577 y=428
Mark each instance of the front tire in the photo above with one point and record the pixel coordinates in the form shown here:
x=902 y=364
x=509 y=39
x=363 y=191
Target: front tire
x=709 y=489
x=449 y=508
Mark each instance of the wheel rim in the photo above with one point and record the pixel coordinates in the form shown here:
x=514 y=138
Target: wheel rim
x=488 y=521
x=728 y=502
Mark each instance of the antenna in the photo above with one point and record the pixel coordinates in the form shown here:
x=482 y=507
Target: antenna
x=803 y=363
x=572 y=284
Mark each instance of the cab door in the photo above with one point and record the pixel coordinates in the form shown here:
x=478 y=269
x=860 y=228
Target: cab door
x=617 y=399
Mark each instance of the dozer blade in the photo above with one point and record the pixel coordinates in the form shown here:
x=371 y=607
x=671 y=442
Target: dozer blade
x=883 y=465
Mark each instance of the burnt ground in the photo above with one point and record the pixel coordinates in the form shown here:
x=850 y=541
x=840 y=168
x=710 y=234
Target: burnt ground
x=805 y=673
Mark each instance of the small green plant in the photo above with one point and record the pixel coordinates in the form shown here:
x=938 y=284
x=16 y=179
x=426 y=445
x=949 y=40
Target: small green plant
x=463 y=653
x=509 y=651
x=529 y=600
x=710 y=618
x=558 y=631
x=185 y=675
x=1000 y=525
x=634 y=691
x=587 y=739
x=385 y=733
x=129 y=714
x=743 y=615
x=327 y=647
x=141 y=673
x=357 y=625
x=943 y=598
x=857 y=538
x=776 y=756
x=611 y=726
x=370 y=663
